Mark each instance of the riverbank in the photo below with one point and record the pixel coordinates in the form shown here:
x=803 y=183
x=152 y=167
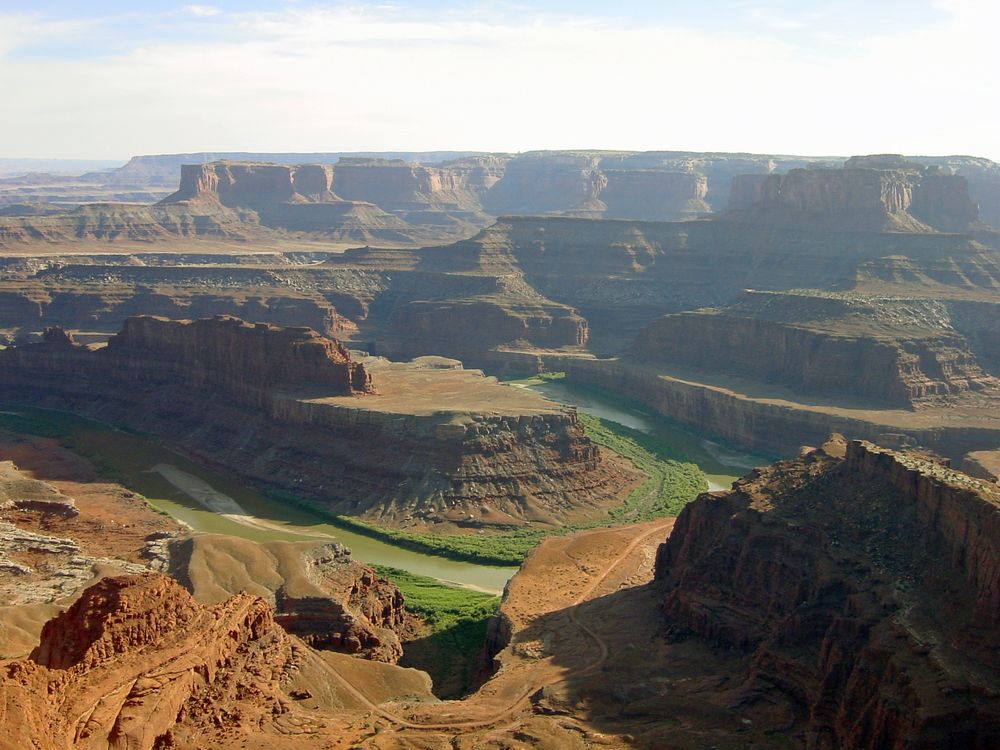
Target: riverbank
x=678 y=465
x=128 y=458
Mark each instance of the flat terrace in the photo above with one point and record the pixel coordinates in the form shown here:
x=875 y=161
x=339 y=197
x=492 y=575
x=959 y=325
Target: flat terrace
x=966 y=410
x=436 y=387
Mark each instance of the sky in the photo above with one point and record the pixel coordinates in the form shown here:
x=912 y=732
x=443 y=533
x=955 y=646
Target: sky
x=107 y=80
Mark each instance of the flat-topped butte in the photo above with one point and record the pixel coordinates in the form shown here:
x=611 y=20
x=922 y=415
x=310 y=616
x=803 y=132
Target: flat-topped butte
x=418 y=443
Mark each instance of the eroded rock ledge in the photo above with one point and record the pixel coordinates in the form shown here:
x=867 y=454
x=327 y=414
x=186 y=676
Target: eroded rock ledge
x=291 y=408
x=137 y=663
x=866 y=585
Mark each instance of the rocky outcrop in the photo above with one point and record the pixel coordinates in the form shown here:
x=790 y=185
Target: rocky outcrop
x=358 y=198
x=223 y=355
x=902 y=197
x=137 y=663
x=318 y=591
x=621 y=275
x=580 y=184
x=282 y=405
x=99 y=294
x=886 y=352
x=227 y=355
x=983 y=176
x=482 y=170
x=53 y=545
x=864 y=586
x=466 y=328
x=396 y=185
x=295 y=197
x=253 y=185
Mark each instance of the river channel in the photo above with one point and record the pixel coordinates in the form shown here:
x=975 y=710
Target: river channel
x=213 y=500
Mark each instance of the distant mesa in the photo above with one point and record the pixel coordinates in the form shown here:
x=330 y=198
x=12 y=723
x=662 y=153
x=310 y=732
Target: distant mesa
x=884 y=193
x=413 y=199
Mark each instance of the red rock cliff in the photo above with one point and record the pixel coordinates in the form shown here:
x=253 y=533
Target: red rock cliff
x=267 y=402
x=864 y=587
x=241 y=358
x=135 y=656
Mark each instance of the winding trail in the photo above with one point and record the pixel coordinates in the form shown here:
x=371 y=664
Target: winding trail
x=515 y=705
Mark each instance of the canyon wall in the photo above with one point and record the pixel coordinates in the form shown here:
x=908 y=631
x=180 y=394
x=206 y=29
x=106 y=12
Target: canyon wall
x=99 y=293
x=714 y=170
x=654 y=195
x=397 y=185
x=621 y=275
x=111 y=222
x=907 y=198
x=883 y=353
x=864 y=587
x=466 y=328
x=767 y=426
x=226 y=355
x=282 y=405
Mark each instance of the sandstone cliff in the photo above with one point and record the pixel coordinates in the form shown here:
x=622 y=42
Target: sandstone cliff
x=401 y=186
x=621 y=275
x=883 y=351
x=98 y=293
x=864 y=586
x=357 y=198
x=61 y=528
x=227 y=355
x=905 y=197
x=465 y=328
x=654 y=195
x=594 y=186
x=282 y=406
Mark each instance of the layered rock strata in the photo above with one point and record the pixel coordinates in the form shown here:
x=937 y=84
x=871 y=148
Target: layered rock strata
x=99 y=293
x=621 y=275
x=227 y=355
x=137 y=663
x=898 y=196
x=380 y=196
x=53 y=545
x=114 y=222
x=864 y=585
x=283 y=406
x=884 y=351
x=775 y=422
x=51 y=548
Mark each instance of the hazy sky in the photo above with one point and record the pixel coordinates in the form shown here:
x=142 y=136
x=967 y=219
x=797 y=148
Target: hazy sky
x=112 y=79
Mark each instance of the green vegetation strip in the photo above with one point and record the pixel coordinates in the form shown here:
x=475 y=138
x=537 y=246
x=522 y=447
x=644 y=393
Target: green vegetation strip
x=670 y=484
x=441 y=606
x=457 y=619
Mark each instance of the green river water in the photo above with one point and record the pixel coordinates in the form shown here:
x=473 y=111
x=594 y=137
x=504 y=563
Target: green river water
x=213 y=500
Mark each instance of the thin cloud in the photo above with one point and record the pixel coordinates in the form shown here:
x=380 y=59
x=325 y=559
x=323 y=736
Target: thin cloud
x=316 y=79
x=202 y=11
